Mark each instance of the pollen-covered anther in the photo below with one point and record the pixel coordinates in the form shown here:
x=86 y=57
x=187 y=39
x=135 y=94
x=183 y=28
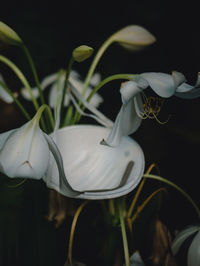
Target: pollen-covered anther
x=152 y=108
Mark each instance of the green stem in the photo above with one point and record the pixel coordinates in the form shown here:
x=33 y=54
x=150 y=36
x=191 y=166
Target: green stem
x=21 y=76
x=71 y=61
x=124 y=236
x=108 y=79
x=91 y=70
x=68 y=116
x=24 y=81
x=97 y=57
x=15 y=100
x=159 y=178
x=50 y=116
x=33 y=68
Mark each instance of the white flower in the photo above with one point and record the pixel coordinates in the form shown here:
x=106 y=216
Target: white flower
x=74 y=79
x=3 y=94
x=96 y=171
x=25 y=153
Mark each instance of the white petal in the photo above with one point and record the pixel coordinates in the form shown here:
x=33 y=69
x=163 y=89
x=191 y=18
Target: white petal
x=136 y=259
x=161 y=83
x=96 y=114
x=53 y=96
x=90 y=167
x=3 y=94
x=78 y=84
x=193 y=258
x=25 y=153
x=48 y=80
x=187 y=91
x=178 y=78
x=4 y=136
x=129 y=90
x=182 y=236
x=96 y=78
x=55 y=176
x=126 y=123
x=45 y=83
x=26 y=94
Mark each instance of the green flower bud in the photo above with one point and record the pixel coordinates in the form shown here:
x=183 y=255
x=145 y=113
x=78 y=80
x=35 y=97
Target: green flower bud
x=82 y=52
x=9 y=36
x=133 y=37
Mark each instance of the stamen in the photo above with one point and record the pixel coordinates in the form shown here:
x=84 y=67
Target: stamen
x=152 y=107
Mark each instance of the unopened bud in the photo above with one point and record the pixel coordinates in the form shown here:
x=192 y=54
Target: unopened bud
x=8 y=36
x=82 y=52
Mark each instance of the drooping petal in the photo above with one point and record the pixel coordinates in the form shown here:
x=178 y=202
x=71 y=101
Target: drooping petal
x=193 y=258
x=182 y=236
x=97 y=115
x=163 y=84
x=187 y=91
x=25 y=152
x=127 y=120
x=55 y=176
x=94 y=169
x=129 y=90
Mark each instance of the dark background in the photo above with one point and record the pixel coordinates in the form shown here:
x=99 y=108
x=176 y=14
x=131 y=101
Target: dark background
x=51 y=30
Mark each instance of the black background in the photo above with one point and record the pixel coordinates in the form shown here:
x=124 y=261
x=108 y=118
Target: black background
x=51 y=30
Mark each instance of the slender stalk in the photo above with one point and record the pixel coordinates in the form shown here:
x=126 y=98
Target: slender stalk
x=33 y=68
x=71 y=61
x=50 y=116
x=22 y=78
x=19 y=184
x=95 y=62
x=124 y=236
x=159 y=178
x=133 y=203
x=143 y=205
x=74 y=222
x=15 y=100
x=24 y=81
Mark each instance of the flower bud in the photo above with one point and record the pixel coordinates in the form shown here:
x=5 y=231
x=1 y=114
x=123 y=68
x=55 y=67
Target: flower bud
x=9 y=36
x=82 y=52
x=134 y=37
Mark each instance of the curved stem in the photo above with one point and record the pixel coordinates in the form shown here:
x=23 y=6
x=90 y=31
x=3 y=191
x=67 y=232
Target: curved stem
x=33 y=68
x=124 y=236
x=159 y=178
x=95 y=62
x=20 y=75
x=71 y=61
x=133 y=203
x=143 y=205
x=74 y=222
x=24 y=81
